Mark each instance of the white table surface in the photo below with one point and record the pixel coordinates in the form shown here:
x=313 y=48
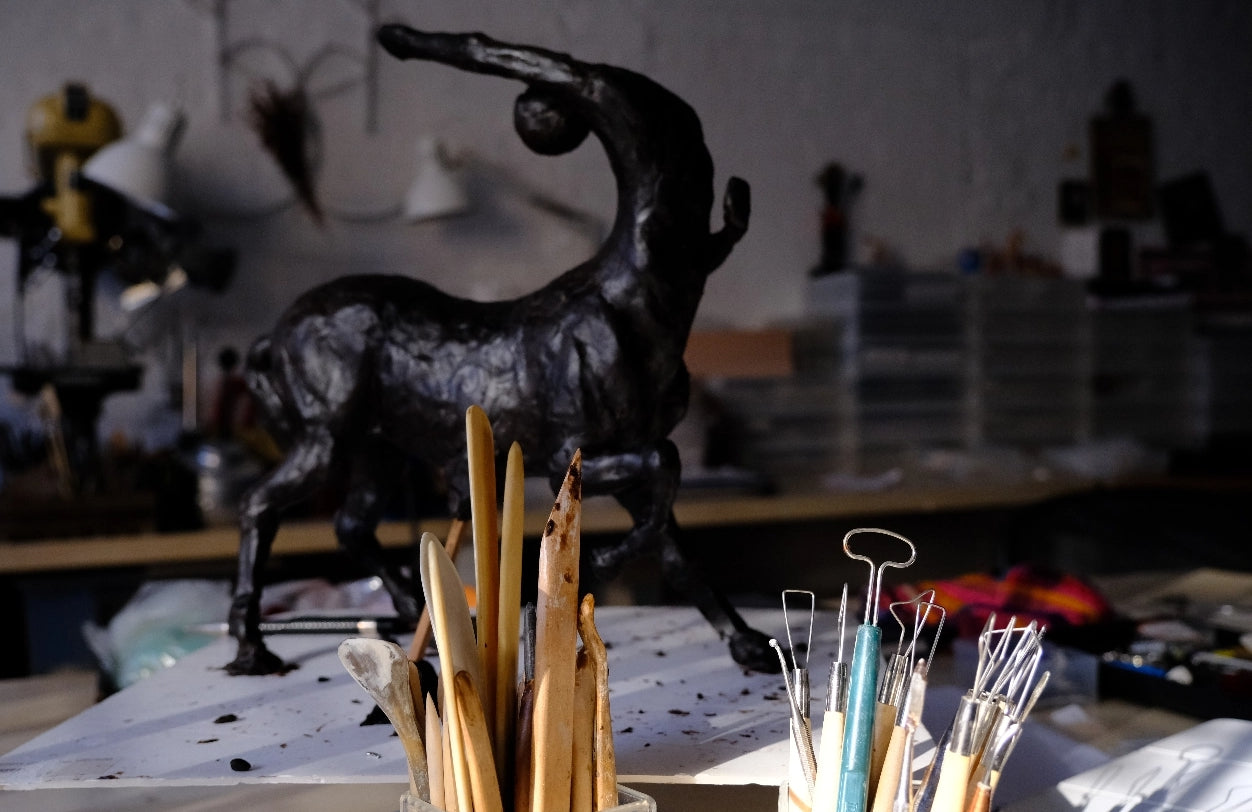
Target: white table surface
x=1206 y=769
x=683 y=713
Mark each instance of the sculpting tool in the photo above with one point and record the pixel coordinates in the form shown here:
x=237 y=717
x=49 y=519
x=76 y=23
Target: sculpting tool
x=830 y=753
x=897 y=761
x=801 y=762
x=381 y=668
x=434 y=754
x=859 y=721
x=482 y=771
x=422 y=635
x=603 y=752
x=894 y=686
x=454 y=636
x=510 y=607
x=480 y=450
x=801 y=741
x=556 y=646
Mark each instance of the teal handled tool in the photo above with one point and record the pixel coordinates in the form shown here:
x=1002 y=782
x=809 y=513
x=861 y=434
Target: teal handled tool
x=858 y=725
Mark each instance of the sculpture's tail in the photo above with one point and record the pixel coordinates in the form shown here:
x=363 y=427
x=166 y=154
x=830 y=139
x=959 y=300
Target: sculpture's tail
x=736 y=208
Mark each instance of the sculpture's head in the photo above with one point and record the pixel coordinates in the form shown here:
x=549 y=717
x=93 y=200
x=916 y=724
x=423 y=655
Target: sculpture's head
x=548 y=124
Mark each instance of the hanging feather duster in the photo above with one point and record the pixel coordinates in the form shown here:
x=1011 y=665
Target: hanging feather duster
x=285 y=124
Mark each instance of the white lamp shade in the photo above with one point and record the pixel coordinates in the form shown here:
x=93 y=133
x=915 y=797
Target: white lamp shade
x=138 y=167
x=438 y=190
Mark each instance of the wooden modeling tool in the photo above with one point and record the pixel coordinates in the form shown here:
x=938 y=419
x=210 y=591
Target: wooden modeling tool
x=481 y=453
x=582 y=780
x=454 y=635
x=382 y=669
x=422 y=635
x=603 y=751
x=859 y=722
x=477 y=739
x=556 y=646
x=510 y=603
x=434 y=754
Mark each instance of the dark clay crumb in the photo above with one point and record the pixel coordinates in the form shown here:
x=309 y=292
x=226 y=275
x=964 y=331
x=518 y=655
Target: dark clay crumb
x=323 y=679
x=107 y=778
x=206 y=741
x=627 y=730
x=660 y=653
x=240 y=765
x=678 y=712
x=699 y=696
x=225 y=718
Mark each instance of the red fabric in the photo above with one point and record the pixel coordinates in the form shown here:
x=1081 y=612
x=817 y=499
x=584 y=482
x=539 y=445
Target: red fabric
x=1025 y=592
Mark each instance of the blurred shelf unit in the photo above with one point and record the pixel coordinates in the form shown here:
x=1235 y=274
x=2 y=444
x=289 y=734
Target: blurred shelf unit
x=889 y=365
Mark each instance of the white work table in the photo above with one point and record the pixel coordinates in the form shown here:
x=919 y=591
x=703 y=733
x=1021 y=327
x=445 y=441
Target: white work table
x=683 y=712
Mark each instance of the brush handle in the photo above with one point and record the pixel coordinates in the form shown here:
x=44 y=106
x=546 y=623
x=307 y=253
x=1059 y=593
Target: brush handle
x=858 y=725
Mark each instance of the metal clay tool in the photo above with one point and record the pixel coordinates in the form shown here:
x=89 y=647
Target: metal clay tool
x=801 y=761
x=830 y=754
x=801 y=734
x=894 y=685
x=859 y=722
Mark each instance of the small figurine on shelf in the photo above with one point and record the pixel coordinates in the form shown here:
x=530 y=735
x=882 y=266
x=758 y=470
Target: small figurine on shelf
x=839 y=190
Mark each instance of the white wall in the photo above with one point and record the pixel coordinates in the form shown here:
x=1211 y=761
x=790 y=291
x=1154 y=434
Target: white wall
x=958 y=114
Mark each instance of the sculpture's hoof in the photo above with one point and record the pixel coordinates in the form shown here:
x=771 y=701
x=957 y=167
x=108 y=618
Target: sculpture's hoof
x=408 y=607
x=254 y=659
x=752 y=650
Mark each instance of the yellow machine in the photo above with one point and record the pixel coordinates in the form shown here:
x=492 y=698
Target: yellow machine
x=63 y=130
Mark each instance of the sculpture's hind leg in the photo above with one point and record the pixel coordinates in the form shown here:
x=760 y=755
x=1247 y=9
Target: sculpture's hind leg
x=646 y=484
x=376 y=474
x=303 y=469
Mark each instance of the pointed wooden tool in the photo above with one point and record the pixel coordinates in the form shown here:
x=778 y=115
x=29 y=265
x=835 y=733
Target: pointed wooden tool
x=454 y=636
x=481 y=451
x=556 y=646
x=510 y=611
x=477 y=740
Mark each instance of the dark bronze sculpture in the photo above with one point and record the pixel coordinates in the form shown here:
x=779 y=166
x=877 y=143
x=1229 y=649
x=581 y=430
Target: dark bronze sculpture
x=366 y=369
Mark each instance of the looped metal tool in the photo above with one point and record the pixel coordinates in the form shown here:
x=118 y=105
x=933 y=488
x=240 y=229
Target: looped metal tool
x=859 y=721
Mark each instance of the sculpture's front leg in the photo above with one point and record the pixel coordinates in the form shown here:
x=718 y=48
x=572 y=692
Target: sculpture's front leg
x=300 y=472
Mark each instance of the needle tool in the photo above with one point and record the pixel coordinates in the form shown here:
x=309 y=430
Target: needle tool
x=799 y=684
x=858 y=729
x=830 y=754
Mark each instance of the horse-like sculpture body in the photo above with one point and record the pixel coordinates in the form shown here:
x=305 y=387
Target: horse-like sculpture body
x=367 y=370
